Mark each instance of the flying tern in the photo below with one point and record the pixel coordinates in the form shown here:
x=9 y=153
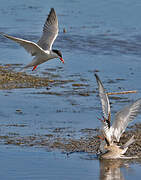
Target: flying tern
x=42 y=50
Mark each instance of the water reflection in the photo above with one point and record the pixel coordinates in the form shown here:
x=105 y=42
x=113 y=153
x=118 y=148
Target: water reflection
x=111 y=169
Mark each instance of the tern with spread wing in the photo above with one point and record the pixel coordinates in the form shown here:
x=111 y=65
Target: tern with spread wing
x=112 y=133
x=43 y=49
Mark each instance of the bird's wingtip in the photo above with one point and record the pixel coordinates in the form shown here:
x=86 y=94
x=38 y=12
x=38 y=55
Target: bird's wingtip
x=52 y=9
x=1 y=33
x=95 y=75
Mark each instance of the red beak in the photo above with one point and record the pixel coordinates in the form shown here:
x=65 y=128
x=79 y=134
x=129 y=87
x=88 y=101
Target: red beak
x=62 y=60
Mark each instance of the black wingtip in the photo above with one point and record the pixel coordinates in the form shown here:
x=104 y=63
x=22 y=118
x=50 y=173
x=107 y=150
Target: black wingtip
x=4 y=35
x=97 y=77
x=98 y=80
x=52 y=10
x=52 y=14
x=1 y=33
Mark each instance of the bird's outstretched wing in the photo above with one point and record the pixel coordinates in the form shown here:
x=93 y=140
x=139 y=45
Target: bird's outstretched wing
x=29 y=46
x=50 y=31
x=104 y=99
x=123 y=117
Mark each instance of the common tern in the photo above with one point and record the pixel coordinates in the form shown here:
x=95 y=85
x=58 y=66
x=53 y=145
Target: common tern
x=42 y=50
x=112 y=133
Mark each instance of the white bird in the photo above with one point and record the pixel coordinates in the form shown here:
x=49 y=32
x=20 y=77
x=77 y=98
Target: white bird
x=42 y=50
x=113 y=132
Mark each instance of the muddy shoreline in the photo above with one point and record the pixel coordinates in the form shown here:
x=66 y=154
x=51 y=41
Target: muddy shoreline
x=58 y=140
x=10 y=79
x=63 y=140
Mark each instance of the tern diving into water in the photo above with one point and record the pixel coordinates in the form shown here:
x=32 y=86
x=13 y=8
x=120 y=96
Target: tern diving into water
x=112 y=133
x=43 y=49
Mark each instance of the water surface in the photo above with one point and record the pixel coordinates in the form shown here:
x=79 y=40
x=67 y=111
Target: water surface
x=101 y=36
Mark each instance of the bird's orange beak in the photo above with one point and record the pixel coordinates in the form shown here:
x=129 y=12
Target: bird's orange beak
x=62 y=60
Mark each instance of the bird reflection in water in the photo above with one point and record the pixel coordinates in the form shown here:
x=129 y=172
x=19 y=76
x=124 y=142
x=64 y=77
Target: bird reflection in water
x=111 y=169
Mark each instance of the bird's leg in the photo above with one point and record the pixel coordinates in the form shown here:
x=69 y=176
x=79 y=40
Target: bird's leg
x=102 y=120
x=34 y=68
x=100 y=137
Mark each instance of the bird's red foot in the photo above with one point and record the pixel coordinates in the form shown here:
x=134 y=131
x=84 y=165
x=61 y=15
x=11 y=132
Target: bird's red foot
x=34 y=68
x=102 y=120
x=100 y=137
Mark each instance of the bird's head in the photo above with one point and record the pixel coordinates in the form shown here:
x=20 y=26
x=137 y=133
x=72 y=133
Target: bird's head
x=59 y=54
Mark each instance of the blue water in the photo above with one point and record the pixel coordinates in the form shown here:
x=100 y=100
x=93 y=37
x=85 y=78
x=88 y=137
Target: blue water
x=100 y=35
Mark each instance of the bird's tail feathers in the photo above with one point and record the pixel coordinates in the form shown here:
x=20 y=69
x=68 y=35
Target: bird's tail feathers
x=129 y=142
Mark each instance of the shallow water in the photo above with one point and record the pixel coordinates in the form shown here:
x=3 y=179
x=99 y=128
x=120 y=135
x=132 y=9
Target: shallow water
x=100 y=36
